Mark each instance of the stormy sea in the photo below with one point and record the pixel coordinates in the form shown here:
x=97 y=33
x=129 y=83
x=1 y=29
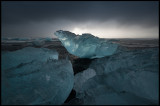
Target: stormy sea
x=79 y=70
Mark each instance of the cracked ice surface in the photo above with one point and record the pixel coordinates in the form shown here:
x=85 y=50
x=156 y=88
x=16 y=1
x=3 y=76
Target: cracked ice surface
x=34 y=76
x=86 y=45
x=26 y=55
x=81 y=77
x=126 y=78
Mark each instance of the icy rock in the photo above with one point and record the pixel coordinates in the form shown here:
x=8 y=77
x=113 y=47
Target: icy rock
x=14 y=38
x=26 y=55
x=81 y=77
x=139 y=60
x=99 y=91
x=48 y=39
x=24 y=39
x=86 y=45
x=37 y=83
x=38 y=42
x=126 y=78
x=4 y=38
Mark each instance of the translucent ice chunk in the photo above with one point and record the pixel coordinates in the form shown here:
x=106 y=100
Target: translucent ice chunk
x=37 y=83
x=106 y=90
x=81 y=77
x=125 y=78
x=38 y=42
x=26 y=55
x=86 y=45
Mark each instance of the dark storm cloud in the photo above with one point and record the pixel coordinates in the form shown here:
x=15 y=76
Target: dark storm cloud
x=144 y=13
x=128 y=12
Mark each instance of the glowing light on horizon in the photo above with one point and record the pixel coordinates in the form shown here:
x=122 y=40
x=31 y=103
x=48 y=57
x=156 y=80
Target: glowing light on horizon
x=79 y=31
x=117 y=32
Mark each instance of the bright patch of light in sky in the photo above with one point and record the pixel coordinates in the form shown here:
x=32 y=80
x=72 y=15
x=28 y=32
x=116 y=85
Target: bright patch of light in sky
x=79 y=31
x=102 y=19
x=113 y=29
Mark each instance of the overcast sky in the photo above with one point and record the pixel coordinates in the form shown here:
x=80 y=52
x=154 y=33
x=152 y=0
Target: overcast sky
x=105 y=19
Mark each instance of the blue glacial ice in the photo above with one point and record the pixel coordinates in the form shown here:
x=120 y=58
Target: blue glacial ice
x=38 y=42
x=41 y=41
x=35 y=76
x=48 y=39
x=126 y=78
x=86 y=45
x=81 y=77
x=26 y=55
x=140 y=59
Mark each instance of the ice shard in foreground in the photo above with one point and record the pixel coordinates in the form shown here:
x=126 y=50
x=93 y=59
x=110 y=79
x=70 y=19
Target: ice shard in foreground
x=35 y=77
x=86 y=45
